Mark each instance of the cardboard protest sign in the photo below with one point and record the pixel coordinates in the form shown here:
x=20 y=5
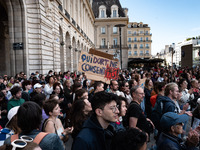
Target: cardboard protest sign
x=98 y=68
x=142 y=83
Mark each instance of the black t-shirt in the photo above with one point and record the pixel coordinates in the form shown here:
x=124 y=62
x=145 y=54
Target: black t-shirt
x=136 y=111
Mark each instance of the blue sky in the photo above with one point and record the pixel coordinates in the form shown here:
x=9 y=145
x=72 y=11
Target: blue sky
x=171 y=21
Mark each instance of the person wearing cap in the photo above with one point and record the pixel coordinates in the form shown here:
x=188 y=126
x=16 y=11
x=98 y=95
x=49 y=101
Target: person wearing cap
x=31 y=77
x=37 y=90
x=16 y=99
x=11 y=126
x=172 y=126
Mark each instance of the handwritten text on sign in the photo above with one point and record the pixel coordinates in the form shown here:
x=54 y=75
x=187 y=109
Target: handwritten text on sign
x=98 y=68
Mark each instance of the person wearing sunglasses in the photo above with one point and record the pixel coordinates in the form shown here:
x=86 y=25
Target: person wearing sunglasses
x=29 y=118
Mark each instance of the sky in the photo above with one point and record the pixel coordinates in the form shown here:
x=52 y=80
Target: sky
x=170 y=21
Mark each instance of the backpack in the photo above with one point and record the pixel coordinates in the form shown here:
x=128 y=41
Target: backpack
x=157 y=113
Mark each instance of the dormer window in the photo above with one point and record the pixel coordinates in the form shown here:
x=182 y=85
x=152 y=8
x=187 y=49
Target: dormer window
x=114 y=11
x=102 y=11
x=102 y=14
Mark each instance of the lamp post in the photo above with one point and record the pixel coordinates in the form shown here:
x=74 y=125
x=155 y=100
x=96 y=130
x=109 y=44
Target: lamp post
x=172 y=49
x=120 y=45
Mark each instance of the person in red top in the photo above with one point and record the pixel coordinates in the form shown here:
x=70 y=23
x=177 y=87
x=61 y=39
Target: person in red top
x=160 y=91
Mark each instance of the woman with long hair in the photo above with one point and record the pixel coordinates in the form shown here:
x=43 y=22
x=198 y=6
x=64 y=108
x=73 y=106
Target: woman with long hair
x=81 y=93
x=86 y=84
x=81 y=111
x=122 y=106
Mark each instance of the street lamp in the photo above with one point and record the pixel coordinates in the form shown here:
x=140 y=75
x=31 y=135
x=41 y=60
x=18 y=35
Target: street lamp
x=120 y=45
x=172 y=49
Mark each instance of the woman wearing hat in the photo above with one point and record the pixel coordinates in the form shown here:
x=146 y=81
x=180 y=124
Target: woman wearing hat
x=11 y=126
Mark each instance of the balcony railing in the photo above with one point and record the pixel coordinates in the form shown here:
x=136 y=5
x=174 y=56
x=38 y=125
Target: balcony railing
x=141 y=54
x=135 y=47
x=147 y=47
x=103 y=46
x=114 y=46
x=134 y=41
x=135 y=54
x=129 y=47
x=147 y=54
x=148 y=34
x=148 y=41
x=141 y=47
x=137 y=34
x=67 y=14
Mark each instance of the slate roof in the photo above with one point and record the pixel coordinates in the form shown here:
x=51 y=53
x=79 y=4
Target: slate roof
x=107 y=4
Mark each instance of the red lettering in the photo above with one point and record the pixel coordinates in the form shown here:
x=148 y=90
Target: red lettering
x=111 y=73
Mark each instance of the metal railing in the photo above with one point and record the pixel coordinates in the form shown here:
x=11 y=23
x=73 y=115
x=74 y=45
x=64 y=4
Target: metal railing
x=103 y=46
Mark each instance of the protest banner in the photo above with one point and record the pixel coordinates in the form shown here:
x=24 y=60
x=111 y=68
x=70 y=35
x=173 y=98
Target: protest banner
x=98 y=68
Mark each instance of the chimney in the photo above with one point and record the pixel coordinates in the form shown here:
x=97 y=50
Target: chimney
x=126 y=12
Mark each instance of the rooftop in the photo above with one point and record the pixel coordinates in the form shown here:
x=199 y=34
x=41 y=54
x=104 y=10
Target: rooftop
x=107 y=4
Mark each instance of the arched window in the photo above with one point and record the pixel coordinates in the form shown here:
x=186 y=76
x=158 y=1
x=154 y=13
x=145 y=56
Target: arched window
x=102 y=12
x=114 y=11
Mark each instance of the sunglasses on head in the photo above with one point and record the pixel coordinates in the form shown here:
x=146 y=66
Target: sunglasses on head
x=22 y=142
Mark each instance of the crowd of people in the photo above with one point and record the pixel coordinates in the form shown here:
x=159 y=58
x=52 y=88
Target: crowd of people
x=44 y=111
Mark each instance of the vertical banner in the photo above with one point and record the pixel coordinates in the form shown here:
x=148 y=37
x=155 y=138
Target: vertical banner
x=98 y=68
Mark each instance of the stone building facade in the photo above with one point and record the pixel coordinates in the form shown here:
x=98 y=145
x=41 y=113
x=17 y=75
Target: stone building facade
x=107 y=37
x=39 y=35
x=139 y=40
